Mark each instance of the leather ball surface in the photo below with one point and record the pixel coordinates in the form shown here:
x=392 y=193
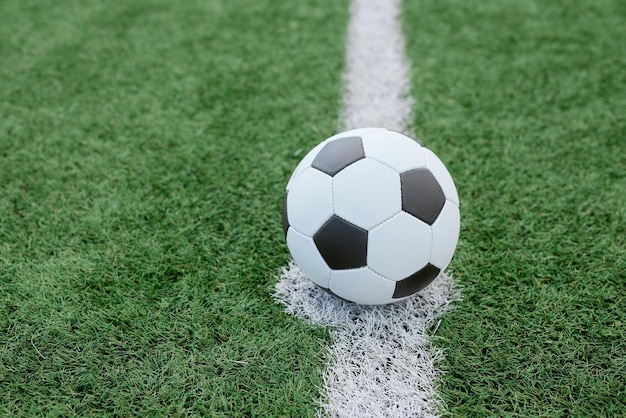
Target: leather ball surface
x=371 y=216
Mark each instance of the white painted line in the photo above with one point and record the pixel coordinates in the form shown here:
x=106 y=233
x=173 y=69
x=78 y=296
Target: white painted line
x=382 y=363
x=377 y=71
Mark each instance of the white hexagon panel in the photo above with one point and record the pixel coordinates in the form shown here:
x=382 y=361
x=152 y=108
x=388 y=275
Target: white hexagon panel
x=310 y=201
x=399 y=247
x=367 y=193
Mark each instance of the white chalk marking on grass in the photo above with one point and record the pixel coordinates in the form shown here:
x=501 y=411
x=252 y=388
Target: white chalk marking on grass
x=382 y=363
x=377 y=74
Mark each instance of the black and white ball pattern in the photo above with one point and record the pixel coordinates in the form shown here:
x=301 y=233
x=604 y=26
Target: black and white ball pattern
x=371 y=216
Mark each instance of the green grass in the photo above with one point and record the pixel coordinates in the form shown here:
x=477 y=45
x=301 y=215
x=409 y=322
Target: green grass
x=144 y=149
x=525 y=103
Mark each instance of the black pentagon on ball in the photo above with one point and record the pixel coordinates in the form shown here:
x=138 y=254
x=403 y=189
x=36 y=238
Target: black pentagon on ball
x=416 y=281
x=338 y=154
x=422 y=195
x=342 y=244
x=285 y=218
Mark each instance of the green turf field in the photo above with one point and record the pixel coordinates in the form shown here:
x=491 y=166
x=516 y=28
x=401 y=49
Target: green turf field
x=144 y=150
x=526 y=102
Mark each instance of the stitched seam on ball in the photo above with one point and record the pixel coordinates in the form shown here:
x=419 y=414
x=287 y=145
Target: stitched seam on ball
x=432 y=234
x=384 y=221
x=382 y=163
x=332 y=202
x=332 y=194
x=381 y=276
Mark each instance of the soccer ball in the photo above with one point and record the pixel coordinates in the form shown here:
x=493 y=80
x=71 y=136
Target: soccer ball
x=371 y=216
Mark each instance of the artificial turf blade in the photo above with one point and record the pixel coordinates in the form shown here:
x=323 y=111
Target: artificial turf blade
x=144 y=150
x=525 y=103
